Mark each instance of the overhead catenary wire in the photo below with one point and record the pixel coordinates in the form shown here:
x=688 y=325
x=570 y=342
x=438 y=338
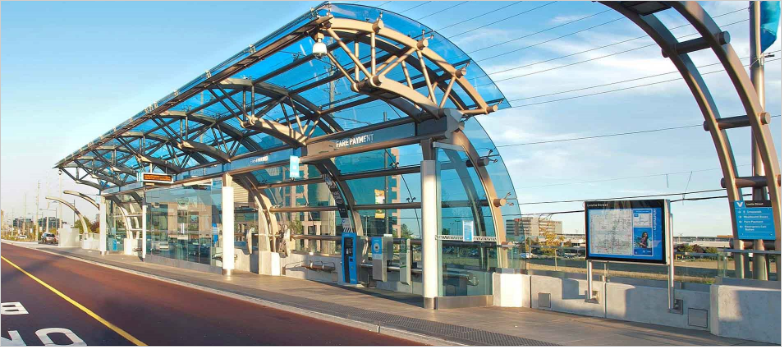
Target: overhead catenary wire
x=478 y=16
x=621 y=89
x=590 y=28
x=443 y=10
x=674 y=200
x=620 y=198
x=605 y=135
x=582 y=61
x=502 y=20
x=541 y=31
x=414 y=7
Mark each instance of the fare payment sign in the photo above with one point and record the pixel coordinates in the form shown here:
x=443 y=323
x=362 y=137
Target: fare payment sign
x=754 y=220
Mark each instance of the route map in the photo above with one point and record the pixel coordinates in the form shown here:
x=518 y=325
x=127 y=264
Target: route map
x=611 y=231
x=630 y=230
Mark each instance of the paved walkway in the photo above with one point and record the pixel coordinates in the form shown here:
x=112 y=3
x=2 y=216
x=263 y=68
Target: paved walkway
x=391 y=311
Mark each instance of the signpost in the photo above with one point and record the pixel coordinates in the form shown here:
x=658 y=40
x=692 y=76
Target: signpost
x=755 y=220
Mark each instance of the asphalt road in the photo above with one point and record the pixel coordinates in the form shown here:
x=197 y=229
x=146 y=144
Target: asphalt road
x=144 y=310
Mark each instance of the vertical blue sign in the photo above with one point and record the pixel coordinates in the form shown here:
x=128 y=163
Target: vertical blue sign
x=754 y=220
x=468 y=230
x=377 y=246
x=294 y=166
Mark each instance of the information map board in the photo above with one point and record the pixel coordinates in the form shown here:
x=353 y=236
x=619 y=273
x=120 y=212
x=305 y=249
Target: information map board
x=627 y=230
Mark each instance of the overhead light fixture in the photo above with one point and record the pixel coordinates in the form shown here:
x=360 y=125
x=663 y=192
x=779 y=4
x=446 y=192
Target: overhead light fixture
x=319 y=49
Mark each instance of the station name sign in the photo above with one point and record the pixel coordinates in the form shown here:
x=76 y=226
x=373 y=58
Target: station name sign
x=148 y=177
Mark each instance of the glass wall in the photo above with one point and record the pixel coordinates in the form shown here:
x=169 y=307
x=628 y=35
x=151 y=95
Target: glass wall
x=466 y=266
x=184 y=222
x=116 y=224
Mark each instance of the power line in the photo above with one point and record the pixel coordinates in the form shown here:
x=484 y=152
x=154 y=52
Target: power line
x=414 y=7
x=605 y=135
x=620 y=89
x=675 y=200
x=478 y=16
x=599 y=136
x=590 y=28
x=624 y=178
x=504 y=19
x=443 y=10
x=587 y=60
x=542 y=31
x=621 y=198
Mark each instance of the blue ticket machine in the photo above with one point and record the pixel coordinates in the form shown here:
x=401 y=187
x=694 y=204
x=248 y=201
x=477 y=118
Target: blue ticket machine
x=349 y=258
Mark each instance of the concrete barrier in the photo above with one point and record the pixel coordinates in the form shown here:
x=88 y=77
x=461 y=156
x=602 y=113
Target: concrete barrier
x=745 y=312
x=743 y=309
x=566 y=295
x=646 y=304
x=67 y=237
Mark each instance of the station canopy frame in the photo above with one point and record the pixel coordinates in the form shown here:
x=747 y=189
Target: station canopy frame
x=277 y=95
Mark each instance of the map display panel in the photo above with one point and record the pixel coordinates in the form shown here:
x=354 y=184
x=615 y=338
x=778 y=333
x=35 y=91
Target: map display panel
x=632 y=230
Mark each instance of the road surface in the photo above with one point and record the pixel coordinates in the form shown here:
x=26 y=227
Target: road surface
x=101 y=306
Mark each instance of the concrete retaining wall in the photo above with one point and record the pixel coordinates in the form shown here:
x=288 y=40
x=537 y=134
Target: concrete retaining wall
x=565 y=295
x=745 y=313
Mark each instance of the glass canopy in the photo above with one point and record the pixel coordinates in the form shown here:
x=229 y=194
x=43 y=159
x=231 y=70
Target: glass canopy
x=279 y=81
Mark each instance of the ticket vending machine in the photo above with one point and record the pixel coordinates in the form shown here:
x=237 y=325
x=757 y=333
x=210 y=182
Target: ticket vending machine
x=350 y=257
x=382 y=253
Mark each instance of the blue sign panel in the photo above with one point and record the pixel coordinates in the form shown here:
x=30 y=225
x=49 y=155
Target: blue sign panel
x=632 y=230
x=468 y=230
x=377 y=246
x=295 y=167
x=754 y=220
x=349 y=259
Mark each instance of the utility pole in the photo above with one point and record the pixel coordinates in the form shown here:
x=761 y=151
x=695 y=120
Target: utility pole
x=24 y=216
x=757 y=61
x=37 y=208
x=59 y=206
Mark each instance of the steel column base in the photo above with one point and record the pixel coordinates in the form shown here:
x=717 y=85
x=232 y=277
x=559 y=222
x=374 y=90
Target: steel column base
x=429 y=303
x=228 y=272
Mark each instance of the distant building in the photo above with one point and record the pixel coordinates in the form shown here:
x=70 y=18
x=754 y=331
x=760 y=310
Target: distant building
x=20 y=222
x=52 y=221
x=530 y=227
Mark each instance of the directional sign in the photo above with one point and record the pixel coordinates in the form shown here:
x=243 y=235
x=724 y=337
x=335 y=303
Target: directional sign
x=468 y=230
x=294 y=166
x=754 y=220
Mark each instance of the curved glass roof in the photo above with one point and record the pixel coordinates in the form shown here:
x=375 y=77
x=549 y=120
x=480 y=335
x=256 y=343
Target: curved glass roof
x=279 y=80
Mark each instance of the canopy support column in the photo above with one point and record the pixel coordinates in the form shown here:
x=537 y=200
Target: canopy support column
x=430 y=220
x=228 y=225
x=143 y=231
x=102 y=224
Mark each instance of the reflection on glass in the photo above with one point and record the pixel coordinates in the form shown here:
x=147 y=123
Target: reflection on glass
x=184 y=222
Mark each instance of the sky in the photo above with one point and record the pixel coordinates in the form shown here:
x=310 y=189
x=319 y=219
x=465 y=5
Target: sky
x=72 y=70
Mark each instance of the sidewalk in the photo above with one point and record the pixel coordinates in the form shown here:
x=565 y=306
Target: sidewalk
x=391 y=311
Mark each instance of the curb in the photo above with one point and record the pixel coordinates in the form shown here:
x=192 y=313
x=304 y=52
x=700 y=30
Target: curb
x=423 y=339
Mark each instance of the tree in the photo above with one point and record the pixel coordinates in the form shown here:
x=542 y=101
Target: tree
x=406 y=234
x=710 y=250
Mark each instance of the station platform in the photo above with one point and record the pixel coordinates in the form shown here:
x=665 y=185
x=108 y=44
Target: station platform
x=403 y=314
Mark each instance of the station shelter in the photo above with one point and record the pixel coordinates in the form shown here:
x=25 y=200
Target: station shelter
x=344 y=147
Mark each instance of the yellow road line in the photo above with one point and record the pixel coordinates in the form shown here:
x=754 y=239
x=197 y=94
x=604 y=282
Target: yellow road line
x=116 y=329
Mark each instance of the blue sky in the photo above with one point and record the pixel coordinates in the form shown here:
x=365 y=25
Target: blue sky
x=72 y=70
